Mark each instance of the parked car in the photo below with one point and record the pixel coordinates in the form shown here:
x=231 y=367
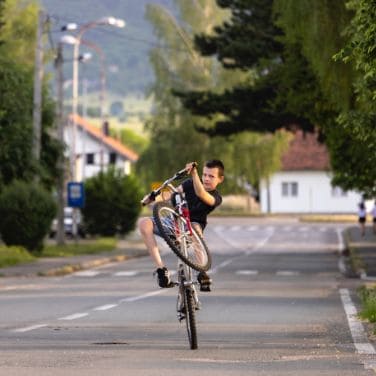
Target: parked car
x=68 y=224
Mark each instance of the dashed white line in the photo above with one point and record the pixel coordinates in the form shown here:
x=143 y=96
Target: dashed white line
x=130 y=273
x=87 y=273
x=29 y=328
x=105 y=307
x=287 y=273
x=247 y=272
x=74 y=316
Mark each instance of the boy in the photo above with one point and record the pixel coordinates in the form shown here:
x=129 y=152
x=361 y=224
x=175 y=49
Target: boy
x=202 y=198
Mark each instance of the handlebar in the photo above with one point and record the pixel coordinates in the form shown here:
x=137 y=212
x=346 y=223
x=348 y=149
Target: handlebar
x=156 y=192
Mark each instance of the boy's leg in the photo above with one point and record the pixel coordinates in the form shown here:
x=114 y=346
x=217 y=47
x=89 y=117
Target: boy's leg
x=203 y=278
x=146 y=227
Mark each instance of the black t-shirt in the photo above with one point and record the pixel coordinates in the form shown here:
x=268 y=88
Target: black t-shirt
x=198 y=210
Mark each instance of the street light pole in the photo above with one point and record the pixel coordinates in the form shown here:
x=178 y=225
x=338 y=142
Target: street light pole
x=103 y=21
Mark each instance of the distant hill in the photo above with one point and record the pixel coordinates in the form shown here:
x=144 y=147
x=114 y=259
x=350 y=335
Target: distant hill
x=126 y=50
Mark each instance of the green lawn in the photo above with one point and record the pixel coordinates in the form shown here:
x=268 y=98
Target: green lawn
x=10 y=256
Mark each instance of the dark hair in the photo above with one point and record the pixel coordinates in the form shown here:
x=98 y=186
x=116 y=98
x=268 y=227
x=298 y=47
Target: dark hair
x=216 y=163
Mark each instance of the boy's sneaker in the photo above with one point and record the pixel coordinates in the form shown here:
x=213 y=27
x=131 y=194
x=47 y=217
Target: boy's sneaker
x=205 y=281
x=163 y=277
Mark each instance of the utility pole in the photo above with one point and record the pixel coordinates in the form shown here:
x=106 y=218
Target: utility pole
x=60 y=235
x=38 y=78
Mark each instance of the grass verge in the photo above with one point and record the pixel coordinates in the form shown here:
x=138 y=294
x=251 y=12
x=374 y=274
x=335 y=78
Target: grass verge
x=10 y=256
x=85 y=247
x=368 y=300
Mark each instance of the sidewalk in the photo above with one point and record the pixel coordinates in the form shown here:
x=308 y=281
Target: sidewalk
x=129 y=248
x=361 y=252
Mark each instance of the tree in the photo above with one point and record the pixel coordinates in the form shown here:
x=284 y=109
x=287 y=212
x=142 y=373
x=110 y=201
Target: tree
x=16 y=100
x=249 y=41
x=173 y=129
x=112 y=203
x=346 y=108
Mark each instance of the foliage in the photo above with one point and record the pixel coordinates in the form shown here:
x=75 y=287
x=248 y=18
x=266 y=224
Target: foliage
x=357 y=124
x=112 y=203
x=16 y=100
x=250 y=41
x=26 y=213
x=132 y=139
x=368 y=299
x=10 y=256
x=173 y=129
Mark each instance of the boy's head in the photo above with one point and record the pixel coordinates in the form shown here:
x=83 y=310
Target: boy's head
x=212 y=174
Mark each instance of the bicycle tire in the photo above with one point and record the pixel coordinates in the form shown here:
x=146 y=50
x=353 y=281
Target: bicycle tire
x=190 y=319
x=165 y=216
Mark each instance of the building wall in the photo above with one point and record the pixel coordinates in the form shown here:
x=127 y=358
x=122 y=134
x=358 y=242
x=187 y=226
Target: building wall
x=86 y=144
x=312 y=193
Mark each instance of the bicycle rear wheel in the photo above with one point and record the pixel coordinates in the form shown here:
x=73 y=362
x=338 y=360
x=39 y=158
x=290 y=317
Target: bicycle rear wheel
x=190 y=318
x=189 y=247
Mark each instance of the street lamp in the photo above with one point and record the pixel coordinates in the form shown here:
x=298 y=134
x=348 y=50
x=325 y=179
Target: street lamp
x=112 y=21
x=66 y=39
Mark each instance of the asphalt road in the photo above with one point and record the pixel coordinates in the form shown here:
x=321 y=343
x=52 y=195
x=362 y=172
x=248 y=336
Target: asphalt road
x=279 y=306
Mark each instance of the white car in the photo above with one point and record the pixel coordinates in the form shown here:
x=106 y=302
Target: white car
x=68 y=223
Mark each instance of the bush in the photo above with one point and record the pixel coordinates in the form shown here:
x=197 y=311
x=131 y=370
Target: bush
x=112 y=203
x=26 y=213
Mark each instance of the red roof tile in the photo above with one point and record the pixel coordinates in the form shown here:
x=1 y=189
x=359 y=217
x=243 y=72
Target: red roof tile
x=109 y=141
x=305 y=153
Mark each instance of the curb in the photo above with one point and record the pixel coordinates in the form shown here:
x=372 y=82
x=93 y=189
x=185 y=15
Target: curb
x=72 y=268
x=348 y=264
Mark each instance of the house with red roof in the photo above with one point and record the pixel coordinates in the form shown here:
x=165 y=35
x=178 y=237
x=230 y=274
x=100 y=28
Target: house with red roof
x=303 y=184
x=95 y=150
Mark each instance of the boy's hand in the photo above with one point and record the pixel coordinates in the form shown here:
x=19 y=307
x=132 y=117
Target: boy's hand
x=190 y=167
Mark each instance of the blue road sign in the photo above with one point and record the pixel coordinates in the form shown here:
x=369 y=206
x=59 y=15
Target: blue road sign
x=76 y=195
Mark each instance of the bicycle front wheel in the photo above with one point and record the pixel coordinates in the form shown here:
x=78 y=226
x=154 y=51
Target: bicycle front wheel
x=190 y=318
x=188 y=246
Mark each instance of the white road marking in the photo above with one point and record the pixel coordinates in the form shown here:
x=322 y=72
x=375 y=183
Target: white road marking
x=29 y=328
x=86 y=273
x=105 y=307
x=287 y=273
x=247 y=272
x=130 y=273
x=74 y=316
x=143 y=296
x=235 y=228
x=358 y=334
x=252 y=228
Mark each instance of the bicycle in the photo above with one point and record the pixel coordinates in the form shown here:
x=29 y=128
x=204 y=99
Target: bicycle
x=175 y=227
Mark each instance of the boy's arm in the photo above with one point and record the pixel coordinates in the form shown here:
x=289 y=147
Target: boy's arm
x=200 y=191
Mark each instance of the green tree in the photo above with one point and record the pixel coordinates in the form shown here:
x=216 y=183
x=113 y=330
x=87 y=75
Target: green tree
x=16 y=99
x=174 y=139
x=345 y=111
x=26 y=213
x=112 y=203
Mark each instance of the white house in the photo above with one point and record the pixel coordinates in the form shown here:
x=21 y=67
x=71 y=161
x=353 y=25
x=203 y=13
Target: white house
x=96 y=150
x=303 y=185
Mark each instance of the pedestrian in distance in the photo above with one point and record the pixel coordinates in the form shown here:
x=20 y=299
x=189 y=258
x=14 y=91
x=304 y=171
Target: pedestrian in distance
x=362 y=215
x=373 y=212
x=202 y=198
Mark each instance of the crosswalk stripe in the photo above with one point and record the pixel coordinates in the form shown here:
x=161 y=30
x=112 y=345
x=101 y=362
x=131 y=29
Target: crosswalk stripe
x=247 y=272
x=130 y=273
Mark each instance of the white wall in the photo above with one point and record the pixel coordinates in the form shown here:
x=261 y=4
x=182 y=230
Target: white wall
x=315 y=194
x=86 y=144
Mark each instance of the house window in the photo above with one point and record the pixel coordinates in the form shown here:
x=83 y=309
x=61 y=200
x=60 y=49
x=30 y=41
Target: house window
x=338 y=192
x=113 y=157
x=289 y=189
x=90 y=158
